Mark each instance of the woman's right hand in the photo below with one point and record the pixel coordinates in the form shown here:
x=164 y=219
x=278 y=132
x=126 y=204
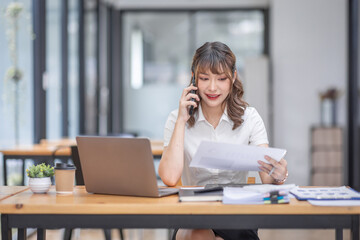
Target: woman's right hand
x=185 y=103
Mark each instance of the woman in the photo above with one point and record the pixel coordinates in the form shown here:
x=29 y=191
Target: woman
x=220 y=114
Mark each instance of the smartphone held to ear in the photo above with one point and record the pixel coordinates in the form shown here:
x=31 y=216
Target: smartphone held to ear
x=191 y=109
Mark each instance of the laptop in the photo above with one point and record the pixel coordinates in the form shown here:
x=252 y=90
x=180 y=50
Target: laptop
x=121 y=166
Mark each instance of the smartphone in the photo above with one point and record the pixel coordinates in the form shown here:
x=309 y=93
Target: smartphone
x=191 y=109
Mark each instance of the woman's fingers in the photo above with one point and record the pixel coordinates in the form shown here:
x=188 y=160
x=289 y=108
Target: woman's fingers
x=272 y=161
x=265 y=166
x=186 y=97
x=187 y=90
x=264 y=169
x=186 y=102
x=283 y=162
x=192 y=95
x=275 y=169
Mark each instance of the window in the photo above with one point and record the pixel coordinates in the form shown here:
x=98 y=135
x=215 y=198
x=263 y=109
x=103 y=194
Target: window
x=25 y=86
x=53 y=69
x=73 y=77
x=157 y=52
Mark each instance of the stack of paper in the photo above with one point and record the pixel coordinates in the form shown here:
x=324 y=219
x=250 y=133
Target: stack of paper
x=265 y=188
x=240 y=196
x=258 y=194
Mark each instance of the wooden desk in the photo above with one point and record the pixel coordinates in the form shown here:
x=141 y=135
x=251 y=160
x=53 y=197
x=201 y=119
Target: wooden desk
x=82 y=210
x=6 y=192
x=47 y=150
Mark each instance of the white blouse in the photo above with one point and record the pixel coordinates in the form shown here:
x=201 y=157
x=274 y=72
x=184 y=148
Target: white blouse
x=251 y=132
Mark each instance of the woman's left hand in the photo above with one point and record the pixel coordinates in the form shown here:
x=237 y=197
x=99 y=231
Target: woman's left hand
x=277 y=170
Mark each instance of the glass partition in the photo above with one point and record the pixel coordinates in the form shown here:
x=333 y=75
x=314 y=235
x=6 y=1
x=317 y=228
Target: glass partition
x=10 y=95
x=53 y=68
x=16 y=108
x=154 y=77
x=242 y=31
x=73 y=95
x=157 y=52
x=91 y=67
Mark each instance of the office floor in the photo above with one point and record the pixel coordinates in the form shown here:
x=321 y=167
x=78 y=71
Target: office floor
x=162 y=234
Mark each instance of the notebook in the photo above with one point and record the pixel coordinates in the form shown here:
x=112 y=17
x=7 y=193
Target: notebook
x=200 y=195
x=121 y=166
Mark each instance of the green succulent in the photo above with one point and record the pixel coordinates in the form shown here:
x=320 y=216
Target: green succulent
x=40 y=171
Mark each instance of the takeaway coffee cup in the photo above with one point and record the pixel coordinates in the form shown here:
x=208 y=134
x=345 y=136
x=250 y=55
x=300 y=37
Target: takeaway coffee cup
x=64 y=177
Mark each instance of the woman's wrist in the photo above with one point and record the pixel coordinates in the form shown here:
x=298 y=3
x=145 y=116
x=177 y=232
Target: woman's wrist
x=282 y=181
x=180 y=121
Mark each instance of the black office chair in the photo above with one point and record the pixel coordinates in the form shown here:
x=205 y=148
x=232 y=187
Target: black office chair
x=80 y=181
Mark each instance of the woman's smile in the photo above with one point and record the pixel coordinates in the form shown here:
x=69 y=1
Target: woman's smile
x=212 y=96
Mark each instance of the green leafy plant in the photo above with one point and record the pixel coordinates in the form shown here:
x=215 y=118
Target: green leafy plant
x=40 y=171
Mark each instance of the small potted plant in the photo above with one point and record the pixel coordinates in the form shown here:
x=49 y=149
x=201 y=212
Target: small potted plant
x=39 y=177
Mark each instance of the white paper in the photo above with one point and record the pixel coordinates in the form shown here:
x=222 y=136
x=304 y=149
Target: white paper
x=336 y=203
x=229 y=156
x=265 y=188
x=233 y=195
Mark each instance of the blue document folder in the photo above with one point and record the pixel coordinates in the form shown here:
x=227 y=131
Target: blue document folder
x=325 y=193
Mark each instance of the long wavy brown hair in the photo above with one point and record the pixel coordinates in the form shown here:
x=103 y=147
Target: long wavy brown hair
x=218 y=57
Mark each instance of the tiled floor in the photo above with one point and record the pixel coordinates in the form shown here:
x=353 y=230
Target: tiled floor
x=162 y=234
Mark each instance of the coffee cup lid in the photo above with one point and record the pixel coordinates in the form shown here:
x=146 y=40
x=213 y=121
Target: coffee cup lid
x=65 y=166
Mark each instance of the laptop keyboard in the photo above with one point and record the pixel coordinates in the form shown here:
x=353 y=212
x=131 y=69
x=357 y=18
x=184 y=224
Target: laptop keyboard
x=163 y=191
x=214 y=185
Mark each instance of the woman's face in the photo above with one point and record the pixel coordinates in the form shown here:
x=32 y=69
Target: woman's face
x=213 y=88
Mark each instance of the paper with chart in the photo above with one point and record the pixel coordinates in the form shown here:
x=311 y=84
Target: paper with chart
x=229 y=156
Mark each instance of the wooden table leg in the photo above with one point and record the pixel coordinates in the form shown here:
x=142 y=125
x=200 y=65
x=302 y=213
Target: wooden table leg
x=355 y=235
x=41 y=234
x=339 y=234
x=5 y=170
x=21 y=233
x=23 y=172
x=5 y=230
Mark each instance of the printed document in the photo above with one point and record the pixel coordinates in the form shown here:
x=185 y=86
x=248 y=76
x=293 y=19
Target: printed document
x=229 y=156
x=258 y=194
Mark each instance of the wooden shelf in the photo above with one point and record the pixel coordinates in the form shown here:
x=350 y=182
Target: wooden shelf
x=327 y=156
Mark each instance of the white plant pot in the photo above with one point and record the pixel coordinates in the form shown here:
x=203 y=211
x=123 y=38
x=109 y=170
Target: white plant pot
x=40 y=185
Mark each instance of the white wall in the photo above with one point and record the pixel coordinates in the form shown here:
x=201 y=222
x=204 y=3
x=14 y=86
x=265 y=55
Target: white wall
x=308 y=50
x=256 y=87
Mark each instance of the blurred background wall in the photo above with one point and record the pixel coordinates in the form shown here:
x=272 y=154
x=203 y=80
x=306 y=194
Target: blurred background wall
x=309 y=53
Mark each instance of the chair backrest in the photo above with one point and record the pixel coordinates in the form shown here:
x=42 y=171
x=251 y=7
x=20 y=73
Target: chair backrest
x=251 y=180
x=76 y=159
